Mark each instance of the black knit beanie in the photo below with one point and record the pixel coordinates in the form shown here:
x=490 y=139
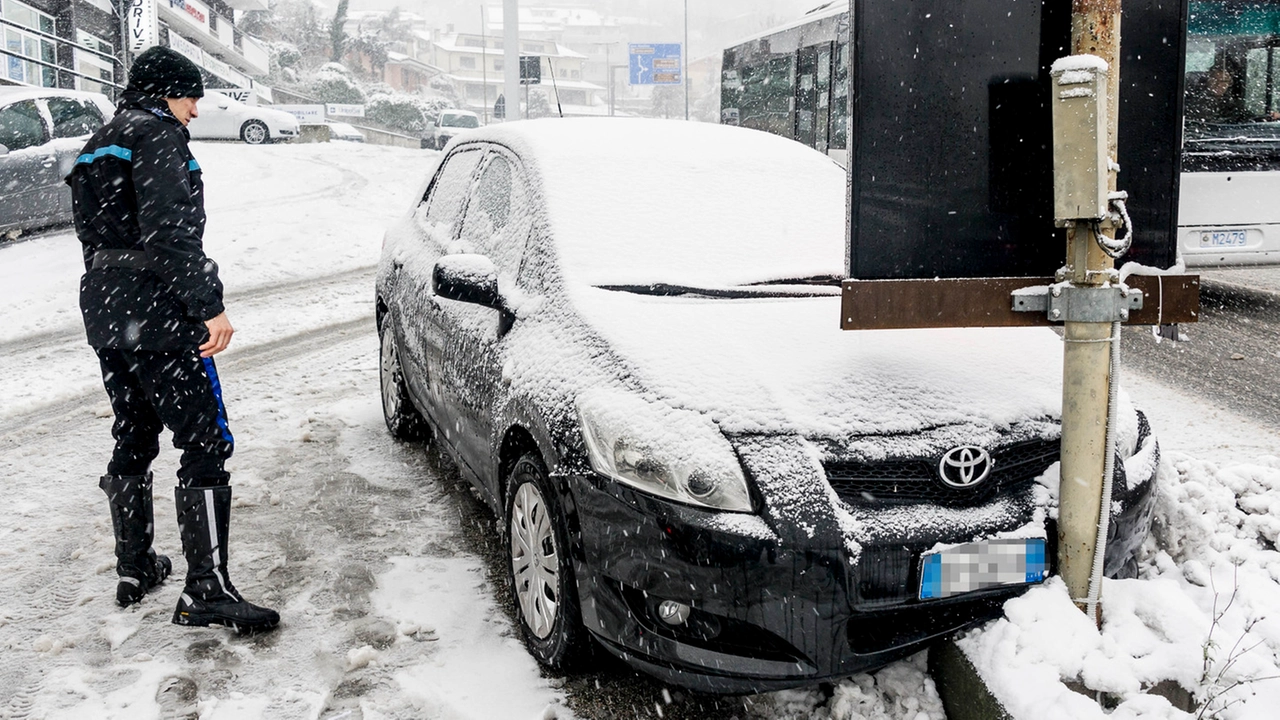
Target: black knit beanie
x=164 y=73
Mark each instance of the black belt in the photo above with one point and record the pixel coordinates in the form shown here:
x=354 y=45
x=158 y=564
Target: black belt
x=132 y=259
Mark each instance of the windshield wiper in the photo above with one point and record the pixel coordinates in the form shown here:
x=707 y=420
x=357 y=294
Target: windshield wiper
x=821 y=280
x=733 y=293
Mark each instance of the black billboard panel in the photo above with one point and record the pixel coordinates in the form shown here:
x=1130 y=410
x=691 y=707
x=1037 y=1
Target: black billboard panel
x=951 y=147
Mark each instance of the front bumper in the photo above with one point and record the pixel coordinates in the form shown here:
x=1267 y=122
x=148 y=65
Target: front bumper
x=766 y=613
x=813 y=588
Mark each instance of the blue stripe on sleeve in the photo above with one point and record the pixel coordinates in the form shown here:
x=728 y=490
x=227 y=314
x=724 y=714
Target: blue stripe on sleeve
x=115 y=151
x=192 y=165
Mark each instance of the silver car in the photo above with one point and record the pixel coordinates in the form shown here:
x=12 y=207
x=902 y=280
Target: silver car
x=42 y=130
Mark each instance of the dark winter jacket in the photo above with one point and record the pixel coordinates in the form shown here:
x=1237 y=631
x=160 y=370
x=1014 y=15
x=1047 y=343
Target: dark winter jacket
x=136 y=188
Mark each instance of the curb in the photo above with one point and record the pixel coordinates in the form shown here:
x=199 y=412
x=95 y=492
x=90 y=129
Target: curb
x=964 y=695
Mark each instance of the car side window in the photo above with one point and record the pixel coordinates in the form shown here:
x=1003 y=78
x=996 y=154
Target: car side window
x=441 y=207
x=21 y=125
x=73 y=117
x=494 y=224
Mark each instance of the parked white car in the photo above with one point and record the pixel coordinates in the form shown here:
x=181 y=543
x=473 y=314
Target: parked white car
x=344 y=131
x=448 y=125
x=221 y=118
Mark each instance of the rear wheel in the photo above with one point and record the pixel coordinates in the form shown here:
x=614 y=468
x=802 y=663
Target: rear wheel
x=540 y=569
x=402 y=418
x=254 y=132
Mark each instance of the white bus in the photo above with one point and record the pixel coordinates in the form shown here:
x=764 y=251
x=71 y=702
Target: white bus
x=1229 y=212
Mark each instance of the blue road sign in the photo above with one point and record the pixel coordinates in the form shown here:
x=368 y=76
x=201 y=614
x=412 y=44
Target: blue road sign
x=656 y=64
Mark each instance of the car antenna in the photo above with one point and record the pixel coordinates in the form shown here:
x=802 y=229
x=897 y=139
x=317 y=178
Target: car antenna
x=553 y=82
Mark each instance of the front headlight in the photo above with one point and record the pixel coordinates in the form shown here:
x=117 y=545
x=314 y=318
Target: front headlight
x=676 y=454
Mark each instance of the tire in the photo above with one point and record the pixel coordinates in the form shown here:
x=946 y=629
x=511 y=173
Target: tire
x=255 y=132
x=540 y=569
x=404 y=422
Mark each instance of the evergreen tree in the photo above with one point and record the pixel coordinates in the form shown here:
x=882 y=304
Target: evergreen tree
x=337 y=36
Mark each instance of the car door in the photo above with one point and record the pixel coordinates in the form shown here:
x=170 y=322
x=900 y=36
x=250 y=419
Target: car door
x=72 y=120
x=27 y=166
x=496 y=224
x=219 y=118
x=413 y=308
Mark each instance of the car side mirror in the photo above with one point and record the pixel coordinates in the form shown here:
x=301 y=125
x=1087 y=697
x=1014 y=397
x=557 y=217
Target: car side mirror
x=4 y=149
x=468 y=279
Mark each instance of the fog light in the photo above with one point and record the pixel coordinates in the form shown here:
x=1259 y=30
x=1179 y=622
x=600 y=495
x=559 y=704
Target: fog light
x=672 y=612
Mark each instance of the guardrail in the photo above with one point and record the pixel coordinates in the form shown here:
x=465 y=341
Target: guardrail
x=374 y=136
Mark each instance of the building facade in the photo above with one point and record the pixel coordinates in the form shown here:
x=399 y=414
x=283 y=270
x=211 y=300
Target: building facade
x=475 y=65
x=76 y=44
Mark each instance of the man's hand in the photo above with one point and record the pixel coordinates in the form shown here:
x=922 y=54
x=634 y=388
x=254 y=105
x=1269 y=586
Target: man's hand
x=220 y=332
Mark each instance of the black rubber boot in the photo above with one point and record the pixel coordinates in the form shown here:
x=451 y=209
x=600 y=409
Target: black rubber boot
x=209 y=598
x=139 y=567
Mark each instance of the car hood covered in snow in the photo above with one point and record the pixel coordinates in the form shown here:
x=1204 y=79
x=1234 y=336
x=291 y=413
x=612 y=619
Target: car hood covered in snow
x=783 y=366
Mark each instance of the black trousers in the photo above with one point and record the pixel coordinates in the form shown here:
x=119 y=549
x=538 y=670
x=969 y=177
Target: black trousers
x=150 y=391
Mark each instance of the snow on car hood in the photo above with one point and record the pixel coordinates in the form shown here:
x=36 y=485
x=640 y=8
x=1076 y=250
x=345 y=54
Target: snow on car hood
x=785 y=366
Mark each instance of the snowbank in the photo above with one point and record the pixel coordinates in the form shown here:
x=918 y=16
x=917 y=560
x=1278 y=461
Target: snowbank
x=1197 y=616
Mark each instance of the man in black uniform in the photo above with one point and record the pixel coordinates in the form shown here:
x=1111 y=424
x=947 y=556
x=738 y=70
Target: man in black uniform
x=152 y=306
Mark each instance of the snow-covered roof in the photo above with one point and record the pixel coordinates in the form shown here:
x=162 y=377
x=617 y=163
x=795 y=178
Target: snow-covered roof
x=403 y=59
x=497 y=79
x=449 y=43
x=664 y=224
x=831 y=9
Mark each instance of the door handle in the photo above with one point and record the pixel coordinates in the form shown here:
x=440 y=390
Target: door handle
x=48 y=161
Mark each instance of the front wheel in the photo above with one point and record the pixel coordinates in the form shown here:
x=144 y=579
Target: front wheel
x=540 y=570
x=255 y=132
x=402 y=418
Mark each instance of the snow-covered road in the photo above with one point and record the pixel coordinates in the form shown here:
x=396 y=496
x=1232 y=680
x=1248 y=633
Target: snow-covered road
x=373 y=551
x=387 y=613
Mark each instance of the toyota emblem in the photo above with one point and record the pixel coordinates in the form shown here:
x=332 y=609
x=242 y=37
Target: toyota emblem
x=965 y=466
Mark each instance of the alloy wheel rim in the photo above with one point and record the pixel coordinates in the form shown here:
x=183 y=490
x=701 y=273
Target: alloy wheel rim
x=255 y=133
x=390 y=375
x=535 y=563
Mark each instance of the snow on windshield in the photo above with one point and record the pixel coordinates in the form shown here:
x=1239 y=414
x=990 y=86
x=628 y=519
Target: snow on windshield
x=682 y=203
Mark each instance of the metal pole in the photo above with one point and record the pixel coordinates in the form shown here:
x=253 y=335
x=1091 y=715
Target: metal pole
x=484 y=67
x=1086 y=380
x=608 y=71
x=511 y=57
x=124 y=45
x=684 y=56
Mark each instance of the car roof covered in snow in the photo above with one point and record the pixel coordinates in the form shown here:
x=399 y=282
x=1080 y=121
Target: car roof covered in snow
x=639 y=201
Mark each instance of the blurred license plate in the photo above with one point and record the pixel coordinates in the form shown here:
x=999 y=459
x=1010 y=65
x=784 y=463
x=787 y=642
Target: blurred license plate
x=1223 y=238
x=980 y=565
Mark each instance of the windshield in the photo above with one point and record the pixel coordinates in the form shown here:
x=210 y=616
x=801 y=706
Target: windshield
x=461 y=121
x=1233 y=97
x=686 y=208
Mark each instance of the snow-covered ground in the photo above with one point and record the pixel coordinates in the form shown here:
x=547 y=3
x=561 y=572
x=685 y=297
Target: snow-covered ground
x=368 y=547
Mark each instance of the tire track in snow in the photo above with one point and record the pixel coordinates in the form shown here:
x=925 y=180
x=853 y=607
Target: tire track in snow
x=38 y=612
x=287 y=347
x=277 y=290
x=348 y=181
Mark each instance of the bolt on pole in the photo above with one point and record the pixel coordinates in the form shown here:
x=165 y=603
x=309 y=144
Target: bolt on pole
x=1095 y=30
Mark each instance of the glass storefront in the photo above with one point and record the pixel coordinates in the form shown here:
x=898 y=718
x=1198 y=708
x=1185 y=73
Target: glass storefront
x=22 y=47
x=93 y=66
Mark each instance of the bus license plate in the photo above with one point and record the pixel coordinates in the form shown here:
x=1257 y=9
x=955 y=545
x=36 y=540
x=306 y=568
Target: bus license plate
x=1223 y=238
x=981 y=565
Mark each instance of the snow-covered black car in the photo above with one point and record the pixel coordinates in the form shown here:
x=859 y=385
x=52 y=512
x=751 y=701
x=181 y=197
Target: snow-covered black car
x=626 y=333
